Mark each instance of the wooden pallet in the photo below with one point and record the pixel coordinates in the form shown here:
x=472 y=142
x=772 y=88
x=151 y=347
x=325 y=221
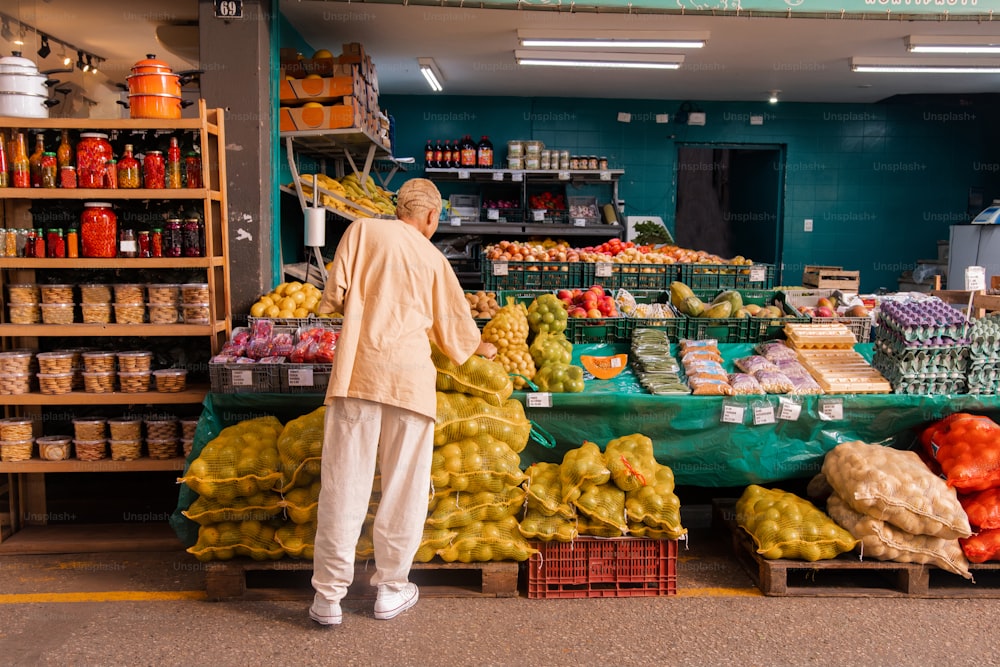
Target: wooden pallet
x=843 y=372
x=242 y=579
x=847 y=576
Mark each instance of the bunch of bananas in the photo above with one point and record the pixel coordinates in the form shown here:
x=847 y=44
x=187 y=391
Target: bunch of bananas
x=378 y=201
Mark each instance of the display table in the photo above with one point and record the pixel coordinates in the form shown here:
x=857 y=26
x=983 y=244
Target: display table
x=688 y=433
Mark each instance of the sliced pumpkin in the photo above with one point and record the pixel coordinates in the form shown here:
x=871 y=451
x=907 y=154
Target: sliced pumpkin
x=604 y=368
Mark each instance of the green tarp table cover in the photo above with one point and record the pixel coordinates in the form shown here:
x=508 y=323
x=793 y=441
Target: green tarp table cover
x=688 y=433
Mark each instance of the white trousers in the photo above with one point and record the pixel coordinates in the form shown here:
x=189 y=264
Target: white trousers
x=356 y=431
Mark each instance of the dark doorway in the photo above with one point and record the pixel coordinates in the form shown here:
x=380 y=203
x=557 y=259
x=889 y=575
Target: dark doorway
x=729 y=200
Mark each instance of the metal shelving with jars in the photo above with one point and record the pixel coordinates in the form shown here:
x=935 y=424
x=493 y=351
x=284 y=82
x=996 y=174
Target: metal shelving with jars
x=207 y=198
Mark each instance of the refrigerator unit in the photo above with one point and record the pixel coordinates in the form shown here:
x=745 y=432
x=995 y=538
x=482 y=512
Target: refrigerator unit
x=973 y=245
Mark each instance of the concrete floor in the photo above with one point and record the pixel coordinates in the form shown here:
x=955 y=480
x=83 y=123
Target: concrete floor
x=148 y=609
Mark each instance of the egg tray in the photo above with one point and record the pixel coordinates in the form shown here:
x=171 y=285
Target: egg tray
x=899 y=345
x=931 y=387
x=983 y=388
x=982 y=374
x=984 y=338
x=917 y=361
x=897 y=376
x=923 y=331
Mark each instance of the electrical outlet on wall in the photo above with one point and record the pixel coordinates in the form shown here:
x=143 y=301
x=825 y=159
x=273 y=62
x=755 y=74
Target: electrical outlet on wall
x=808 y=225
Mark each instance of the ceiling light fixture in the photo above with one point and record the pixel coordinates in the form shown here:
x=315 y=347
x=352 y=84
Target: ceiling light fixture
x=955 y=44
x=47 y=41
x=927 y=66
x=44 y=50
x=613 y=39
x=598 y=60
x=66 y=60
x=20 y=38
x=773 y=98
x=431 y=73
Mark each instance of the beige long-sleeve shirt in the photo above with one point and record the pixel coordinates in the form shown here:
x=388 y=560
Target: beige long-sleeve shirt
x=397 y=292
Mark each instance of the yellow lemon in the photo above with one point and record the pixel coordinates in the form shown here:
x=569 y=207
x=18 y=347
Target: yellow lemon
x=310 y=303
x=286 y=314
x=280 y=289
x=272 y=311
x=300 y=312
x=288 y=303
x=293 y=287
x=298 y=297
x=266 y=300
x=257 y=310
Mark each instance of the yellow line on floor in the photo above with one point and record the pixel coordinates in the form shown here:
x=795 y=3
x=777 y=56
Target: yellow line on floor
x=718 y=592
x=102 y=596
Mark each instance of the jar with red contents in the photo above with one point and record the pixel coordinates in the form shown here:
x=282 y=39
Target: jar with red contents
x=154 y=170
x=98 y=230
x=92 y=155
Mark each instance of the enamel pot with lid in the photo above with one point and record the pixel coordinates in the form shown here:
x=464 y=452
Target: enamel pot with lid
x=23 y=89
x=150 y=65
x=155 y=105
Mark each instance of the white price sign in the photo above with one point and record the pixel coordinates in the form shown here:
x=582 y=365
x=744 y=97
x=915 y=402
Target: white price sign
x=579 y=222
x=499 y=268
x=758 y=274
x=563 y=175
x=763 y=414
x=517 y=176
x=602 y=269
x=242 y=378
x=300 y=377
x=605 y=176
x=492 y=214
x=831 y=409
x=538 y=215
x=541 y=399
x=463 y=174
x=789 y=411
x=497 y=175
x=456 y=221
x=733 y=414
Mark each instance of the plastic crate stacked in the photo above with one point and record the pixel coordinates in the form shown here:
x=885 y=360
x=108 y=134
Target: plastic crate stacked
x=592 y=567
x=513 y=274
x=630 y=276
x=983 y=373
x=922 y=347
x=860 y=326
x=726 y=276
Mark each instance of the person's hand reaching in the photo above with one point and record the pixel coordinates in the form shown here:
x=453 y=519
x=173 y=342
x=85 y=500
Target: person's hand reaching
x=488 y=350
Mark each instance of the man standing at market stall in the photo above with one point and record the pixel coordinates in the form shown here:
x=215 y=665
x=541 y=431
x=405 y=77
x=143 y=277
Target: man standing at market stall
x=397 y=293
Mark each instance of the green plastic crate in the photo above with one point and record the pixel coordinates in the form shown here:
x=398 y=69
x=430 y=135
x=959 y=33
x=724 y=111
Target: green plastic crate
x=722 y=329
x=675 y=327
x=630 y=276
x=726 y=276
x=530 y=275
x=599 y=330
x=758 y=328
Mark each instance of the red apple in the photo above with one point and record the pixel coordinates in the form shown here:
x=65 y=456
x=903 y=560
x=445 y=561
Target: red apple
x=594 y=313
x=577 y=312
x=598 y=289
x=590 y=298
x=823 y=311
x=564 y=295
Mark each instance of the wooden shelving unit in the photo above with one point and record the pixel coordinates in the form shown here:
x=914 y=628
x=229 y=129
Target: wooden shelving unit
x=25 y=487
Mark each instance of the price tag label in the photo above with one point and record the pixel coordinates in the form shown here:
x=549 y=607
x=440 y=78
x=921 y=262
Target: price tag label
x=579 y=222
x=789 y=411
x=228 y=9
x=499 y=268
x=758 y=274
x=763 y=414
x=463 y=174
x=831 y=409
x=497 y=175
x=733 y=414
x=538 y=215
x=517 y=176
x=602 y=269
x=615 y=362
x=492 y=214
x=300 y=377
x=242 y=378
x=541 y=399
x=563 y=175
x=456 y=221
x=605 y=176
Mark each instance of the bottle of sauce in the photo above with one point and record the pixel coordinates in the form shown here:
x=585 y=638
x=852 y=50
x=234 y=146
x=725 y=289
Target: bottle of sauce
x=468 y=152
x=72 y=242
x=484 y=153
x=20 y=171
x=192 y=170
x=429 y=155
x=64 y=154
x=446 y=154
x=35 y=161
x=175 y=166
x=49 y=169
x=4 y=167
x=129 y=169
x=438 y=153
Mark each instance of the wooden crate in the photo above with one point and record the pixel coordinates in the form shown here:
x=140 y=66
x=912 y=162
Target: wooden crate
x=244 y=579
x=831 y=277
x=848 y=576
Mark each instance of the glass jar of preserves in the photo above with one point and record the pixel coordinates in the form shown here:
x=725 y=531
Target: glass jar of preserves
x=55 y=244
x=10 y=243
x=129 y=170
x=156 y=243
x=175 y=166
x=144 y=248
x=127 y=245
x=72 y=242
x=49 y=169
x=192 y=170
x=35 y=162
x=20 y=169
x=154 y=170
x=98 y=230
x=39 y=242
x=111 y=174
x=29 y=243
x=192 y=238
x=92 y=154
x=67 y=176
x=64 y=153
x=173 y=239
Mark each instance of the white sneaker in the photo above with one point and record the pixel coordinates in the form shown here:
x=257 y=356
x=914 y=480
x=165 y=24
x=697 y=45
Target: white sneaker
x=390 y=603
x=325 y=612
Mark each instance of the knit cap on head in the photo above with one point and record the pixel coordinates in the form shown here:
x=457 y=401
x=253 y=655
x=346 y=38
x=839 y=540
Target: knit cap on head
x=416 y=196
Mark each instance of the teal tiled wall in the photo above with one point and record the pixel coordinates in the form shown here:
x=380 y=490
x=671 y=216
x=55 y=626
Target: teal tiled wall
x=882 y=182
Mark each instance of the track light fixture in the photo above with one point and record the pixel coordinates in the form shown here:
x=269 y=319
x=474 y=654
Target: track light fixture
x=5 y=31
x=85 y=60
x=44 y=50
x=79 y=60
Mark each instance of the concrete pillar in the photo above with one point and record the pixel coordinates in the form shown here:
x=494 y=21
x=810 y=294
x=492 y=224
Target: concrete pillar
x=236 y=57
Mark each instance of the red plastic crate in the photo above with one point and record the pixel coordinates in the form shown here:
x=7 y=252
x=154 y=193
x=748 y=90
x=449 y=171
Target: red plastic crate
x=594 y=567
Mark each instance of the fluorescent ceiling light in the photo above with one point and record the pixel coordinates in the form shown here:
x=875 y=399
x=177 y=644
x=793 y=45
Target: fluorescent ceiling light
x=431 y=73
x=955 y=44
x=601 y=60
x=927 y=66
x=613 y=39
